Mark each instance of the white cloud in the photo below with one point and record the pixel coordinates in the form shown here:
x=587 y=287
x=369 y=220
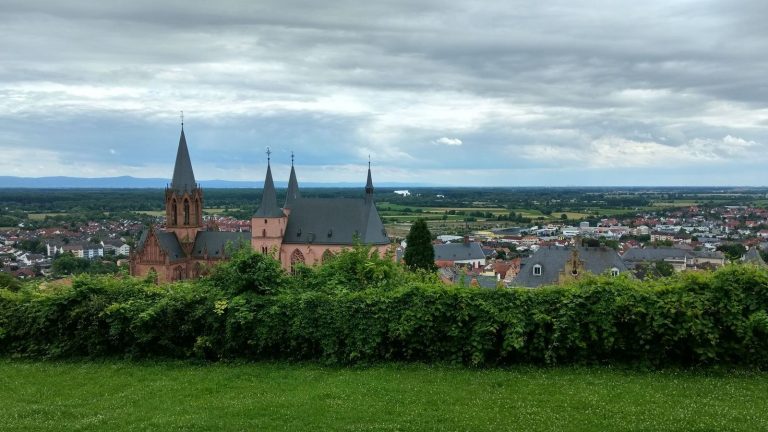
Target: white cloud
x=448 y=141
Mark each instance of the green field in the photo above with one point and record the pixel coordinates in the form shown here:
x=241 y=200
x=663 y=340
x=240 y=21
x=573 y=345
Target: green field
x=118 y=395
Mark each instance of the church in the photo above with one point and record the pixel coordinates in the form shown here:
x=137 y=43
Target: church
x=303 y=231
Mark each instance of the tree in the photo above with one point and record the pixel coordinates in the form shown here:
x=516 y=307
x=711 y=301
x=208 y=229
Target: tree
x=733 y=251
x=9 y=282
x=564 y=216
x=664 y=268
x=419 y=253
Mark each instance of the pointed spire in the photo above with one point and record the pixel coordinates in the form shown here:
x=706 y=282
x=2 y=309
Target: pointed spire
x=369 y=182
x=293 y=188
x=183 y=176
x=268 y=207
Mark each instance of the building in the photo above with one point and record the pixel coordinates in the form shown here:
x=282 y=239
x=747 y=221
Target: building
x=465 y=253
x=680 y=259
x=554 y=265
x=302 y=231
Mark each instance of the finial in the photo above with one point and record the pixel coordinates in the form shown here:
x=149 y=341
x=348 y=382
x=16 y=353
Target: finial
x=269 y=152
x=291 y=157
x=182 y=119
x=369 y=161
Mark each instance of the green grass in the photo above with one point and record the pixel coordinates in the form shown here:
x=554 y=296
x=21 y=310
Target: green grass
x=117 y=395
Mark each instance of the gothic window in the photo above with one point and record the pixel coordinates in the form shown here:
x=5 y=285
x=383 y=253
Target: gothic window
x=614 y=272
x=296 y=258
x=178 y=273
x=174 y=214
x=186 y=212
x=537 y=270
x=264 y=250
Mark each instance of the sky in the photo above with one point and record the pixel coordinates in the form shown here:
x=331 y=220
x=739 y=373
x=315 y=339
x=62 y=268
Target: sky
x=452 y=92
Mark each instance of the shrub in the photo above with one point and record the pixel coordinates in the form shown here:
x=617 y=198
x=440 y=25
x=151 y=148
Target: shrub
x=357 y=315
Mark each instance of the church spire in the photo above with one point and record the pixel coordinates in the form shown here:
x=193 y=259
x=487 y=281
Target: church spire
x=293 y=188
x=183 y=176
x=268 y=207
x=369 y=182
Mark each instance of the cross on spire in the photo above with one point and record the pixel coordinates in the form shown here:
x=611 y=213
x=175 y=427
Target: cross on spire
x=369 y=161
x=291 y=157
x=182 y=119
x=269 y=153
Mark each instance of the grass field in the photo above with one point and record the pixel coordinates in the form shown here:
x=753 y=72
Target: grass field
x=117 y=396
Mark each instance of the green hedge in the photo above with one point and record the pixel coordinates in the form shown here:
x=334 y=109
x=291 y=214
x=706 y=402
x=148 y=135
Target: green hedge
x=718 y=318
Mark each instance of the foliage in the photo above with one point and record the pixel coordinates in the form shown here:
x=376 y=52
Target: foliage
x=68 y=264
x=733 y=251
x=419 y=253
x=249 y=272
x=9 y=282
x=664 y=268
x=378 y=312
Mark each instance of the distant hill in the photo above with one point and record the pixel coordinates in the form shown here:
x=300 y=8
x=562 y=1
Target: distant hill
x=128 y=182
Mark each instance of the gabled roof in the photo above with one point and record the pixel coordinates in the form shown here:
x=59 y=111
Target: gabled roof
x=655 y=254
x=459 y=252
x=183 y=177
x=168 y=242
x=268 y=207
x=292 y=194
x=334 y=221
x=214 y=243
x=552 y=260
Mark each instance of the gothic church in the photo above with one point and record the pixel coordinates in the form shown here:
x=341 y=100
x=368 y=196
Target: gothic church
x=303 y=230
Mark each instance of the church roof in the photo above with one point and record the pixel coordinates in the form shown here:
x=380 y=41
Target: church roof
x=183 y=177
x=334 y=221
x=167 y=241
x=753 y=257
x=215 y=243
x=292 y=194
x=268 y=207
x=552 y=260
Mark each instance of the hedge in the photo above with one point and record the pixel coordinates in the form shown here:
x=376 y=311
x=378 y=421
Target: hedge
x=708 y=318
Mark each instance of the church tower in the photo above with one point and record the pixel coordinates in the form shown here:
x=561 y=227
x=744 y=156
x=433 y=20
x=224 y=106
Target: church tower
x=269 y=222
x=184 y=199
x=292 y=194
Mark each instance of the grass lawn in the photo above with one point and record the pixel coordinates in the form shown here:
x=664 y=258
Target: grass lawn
x=116 y=396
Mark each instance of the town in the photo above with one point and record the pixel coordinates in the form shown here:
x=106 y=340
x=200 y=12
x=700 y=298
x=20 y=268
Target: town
x=487 y=248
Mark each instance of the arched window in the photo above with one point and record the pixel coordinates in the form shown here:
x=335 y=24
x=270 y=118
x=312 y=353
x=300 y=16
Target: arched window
x=174 y=214
x=614 y=272
x=186 y=212
x=537 y=270
x=264 y=250
x=178 y=273
x=327 y=256
x=296 y=258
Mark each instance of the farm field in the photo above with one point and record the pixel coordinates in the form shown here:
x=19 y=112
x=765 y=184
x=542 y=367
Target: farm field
x=120 y=395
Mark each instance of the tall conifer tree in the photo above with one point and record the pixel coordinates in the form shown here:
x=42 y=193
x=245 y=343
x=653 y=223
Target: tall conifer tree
x=419 y=253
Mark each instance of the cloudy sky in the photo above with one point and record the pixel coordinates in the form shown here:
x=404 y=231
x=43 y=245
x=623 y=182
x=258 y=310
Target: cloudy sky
x=443 y=92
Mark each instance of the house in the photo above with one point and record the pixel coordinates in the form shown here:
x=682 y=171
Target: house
x=302 y=231
x=553 y=265
x=680 y=259
x=753 y=257
x=466 y=253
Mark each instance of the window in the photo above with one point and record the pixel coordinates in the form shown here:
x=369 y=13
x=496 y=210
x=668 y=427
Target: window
x=537 y=270
x=296 y=258
x=614 y=272
x=174 y=214
x=263 y=233
x=186 y=212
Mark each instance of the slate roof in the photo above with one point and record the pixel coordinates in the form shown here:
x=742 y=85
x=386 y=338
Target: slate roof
x=183 y=176
x=597 y=260
x=655 y=254
x=168 y=243
x=753 y=257
x=334 y=221
x=215 y=242
x=268 y=207
x=459 y=252
x=292 y=194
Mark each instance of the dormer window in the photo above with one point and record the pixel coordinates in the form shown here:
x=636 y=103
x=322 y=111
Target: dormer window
x=614 y=272
x=537 y=270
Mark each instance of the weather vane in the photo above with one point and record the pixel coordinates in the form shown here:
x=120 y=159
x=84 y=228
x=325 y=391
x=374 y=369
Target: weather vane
x=291 y=157
x=182 y=118
x=369 y=161
x=269 y=152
